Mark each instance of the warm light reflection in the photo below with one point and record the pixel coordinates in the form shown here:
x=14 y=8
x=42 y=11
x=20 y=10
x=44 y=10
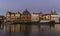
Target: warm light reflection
x=57 y=26
x=32 y=28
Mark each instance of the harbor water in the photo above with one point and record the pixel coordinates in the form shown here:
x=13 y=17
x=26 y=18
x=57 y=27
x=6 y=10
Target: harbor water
x=29 y=30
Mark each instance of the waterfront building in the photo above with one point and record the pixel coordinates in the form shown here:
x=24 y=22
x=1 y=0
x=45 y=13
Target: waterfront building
x=35 y=17
x=2 y=18
x=54 y=16
x=10 y=16
x=26 y=16
x=40 y=16
x=17 y=16
x=47 y=17
x=13 y=17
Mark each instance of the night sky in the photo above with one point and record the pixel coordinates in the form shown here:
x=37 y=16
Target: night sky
x=32 y=5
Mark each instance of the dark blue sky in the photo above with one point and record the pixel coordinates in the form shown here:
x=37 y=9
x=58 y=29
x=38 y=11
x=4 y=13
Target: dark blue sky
x=32 y=5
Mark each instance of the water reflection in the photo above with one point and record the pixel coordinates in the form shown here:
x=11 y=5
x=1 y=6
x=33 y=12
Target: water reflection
x=29 y=30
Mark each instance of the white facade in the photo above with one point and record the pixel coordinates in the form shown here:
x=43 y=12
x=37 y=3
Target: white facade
x=55 y=18
x=34 y=17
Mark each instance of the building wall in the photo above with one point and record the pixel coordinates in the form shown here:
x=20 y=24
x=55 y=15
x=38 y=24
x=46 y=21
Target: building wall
x=35 y=17
x=25 y=18
x=13 y=16
x=40 y=16
x=17 y=17
x=48 y=17
x=2 y=19
x=8 y=16
x=55 y=18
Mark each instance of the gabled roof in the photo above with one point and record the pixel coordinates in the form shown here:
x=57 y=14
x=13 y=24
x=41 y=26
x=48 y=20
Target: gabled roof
x=18 y=12
x=9 y=12
x=26 y=12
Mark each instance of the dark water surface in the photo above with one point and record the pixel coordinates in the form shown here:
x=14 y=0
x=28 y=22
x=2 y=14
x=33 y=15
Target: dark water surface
x=29 y=30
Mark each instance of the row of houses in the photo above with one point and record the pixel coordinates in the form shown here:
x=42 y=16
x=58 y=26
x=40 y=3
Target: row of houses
x=18 y=17
x=26 y=16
